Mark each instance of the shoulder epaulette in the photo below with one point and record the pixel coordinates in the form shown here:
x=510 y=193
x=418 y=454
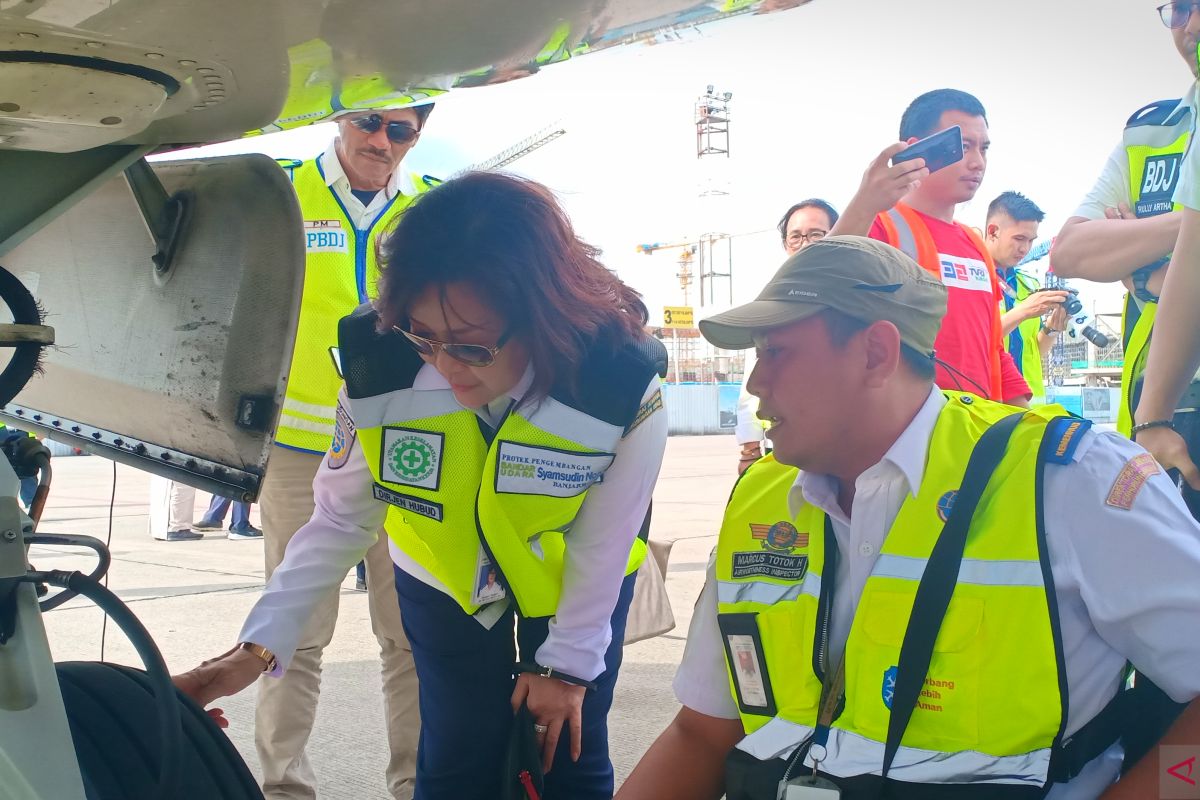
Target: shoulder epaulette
x=1063 y=435
x=289 y=164
x=1161 y=112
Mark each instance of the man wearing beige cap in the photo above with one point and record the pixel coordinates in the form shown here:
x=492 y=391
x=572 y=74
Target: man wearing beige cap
x=926 y=608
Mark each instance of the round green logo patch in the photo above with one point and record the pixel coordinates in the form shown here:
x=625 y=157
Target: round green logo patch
x=412 y=458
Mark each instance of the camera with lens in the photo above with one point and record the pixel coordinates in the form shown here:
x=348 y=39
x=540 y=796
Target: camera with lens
x=1079 y=322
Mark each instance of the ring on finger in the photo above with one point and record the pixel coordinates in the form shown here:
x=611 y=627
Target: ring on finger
x=540 y=729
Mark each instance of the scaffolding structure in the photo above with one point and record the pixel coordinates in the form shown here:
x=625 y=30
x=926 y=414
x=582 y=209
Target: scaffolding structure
x=712 y=123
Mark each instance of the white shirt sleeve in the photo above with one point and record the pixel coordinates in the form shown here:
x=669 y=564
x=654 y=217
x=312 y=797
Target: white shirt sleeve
x=598 y=547
x=345 y=524
x=702 y=680
x=1111 y=188
x=1136 y=570
x=748 y=428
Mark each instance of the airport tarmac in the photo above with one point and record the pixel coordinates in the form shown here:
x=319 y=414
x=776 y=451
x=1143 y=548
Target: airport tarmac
x=193 y=596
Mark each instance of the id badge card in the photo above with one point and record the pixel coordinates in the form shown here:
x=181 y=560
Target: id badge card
x=747 y=663
x=488 y=588
x=811 y=787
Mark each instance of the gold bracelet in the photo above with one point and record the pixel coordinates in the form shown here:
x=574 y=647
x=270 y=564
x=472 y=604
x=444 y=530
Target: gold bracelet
x=266 y=655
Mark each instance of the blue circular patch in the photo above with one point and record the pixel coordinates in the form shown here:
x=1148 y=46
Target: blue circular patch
x=945 y=504
x=782 y=536
x=889 y=686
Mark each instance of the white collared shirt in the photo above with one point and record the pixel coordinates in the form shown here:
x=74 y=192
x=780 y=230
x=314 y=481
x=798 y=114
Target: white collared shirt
x=348 y=519
x=1125 y=580
x=362 y=216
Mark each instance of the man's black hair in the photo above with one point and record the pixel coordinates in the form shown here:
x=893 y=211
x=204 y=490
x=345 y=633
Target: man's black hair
x=923 y=115
x=812 y=202
x=1017 y=206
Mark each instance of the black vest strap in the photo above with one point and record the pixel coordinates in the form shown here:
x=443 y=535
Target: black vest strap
x=611 y=383
x=937 y=584
x=374 y=363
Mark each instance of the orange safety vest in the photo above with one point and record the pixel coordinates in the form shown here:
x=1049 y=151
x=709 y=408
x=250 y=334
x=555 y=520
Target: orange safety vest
x=909 y=234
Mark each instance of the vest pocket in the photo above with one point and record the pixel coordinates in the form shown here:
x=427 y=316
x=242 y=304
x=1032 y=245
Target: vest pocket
x=947 y=712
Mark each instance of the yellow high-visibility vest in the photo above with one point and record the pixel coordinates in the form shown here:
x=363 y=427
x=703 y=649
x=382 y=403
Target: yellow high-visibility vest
x=1155 y=140
x=340 y=272
x=991 y=709
x=457 y=494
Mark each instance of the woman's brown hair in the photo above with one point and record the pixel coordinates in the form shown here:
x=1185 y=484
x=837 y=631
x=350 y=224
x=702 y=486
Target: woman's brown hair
x=510 y=241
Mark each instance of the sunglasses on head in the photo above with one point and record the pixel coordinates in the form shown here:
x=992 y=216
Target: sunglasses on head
x=473 y=355
x=397 y=132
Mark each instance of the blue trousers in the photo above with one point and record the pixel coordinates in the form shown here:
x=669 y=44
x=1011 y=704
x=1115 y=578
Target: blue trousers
x=465 y=675
x=220 y=505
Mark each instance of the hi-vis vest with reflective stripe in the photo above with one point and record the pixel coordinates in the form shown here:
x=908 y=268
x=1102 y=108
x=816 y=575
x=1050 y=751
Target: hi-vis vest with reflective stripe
x=340 y=272
x=1155 y=140
x=1023 y=343
x=991 y=710
x=453 y=489
x=909 y=234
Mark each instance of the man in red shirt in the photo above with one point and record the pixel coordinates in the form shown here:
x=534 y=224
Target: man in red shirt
x=906 y=206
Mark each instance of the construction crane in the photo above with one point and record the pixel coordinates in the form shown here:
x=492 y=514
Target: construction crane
x=522 y=148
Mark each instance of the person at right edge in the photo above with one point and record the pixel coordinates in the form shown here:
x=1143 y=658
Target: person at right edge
x=502 y=411
x=909 y=208
x=942 y=602
x=1127 y=226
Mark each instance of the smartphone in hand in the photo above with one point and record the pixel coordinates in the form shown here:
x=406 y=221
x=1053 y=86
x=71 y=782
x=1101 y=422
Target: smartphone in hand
x=939 y=150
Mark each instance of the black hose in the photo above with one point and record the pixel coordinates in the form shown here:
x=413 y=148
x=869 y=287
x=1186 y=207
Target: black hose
x=103 y=560
x=26 y=356
x=169 y=730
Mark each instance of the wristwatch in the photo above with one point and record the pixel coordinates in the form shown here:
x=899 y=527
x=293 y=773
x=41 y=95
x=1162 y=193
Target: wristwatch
x=266 y=655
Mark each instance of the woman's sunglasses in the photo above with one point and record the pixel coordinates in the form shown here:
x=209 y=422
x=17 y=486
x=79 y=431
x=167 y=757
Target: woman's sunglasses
x=473 y=355
x=398 y=132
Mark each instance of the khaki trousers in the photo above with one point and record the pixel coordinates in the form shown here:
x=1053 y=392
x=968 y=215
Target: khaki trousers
x=287 y=706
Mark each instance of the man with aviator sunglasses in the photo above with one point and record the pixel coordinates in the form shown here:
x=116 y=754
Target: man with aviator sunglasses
x=348 y=195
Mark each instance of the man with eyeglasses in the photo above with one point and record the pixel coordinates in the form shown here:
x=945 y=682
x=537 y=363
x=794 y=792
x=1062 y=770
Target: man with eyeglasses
x=348 y=195
x=1128 y=224
x=805 y=223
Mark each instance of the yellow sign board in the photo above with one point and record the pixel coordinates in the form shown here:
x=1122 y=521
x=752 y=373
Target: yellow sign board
x=678 y=317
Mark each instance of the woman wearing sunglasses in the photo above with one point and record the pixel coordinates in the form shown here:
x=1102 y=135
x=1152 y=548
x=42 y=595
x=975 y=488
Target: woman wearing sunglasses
x=500 y=422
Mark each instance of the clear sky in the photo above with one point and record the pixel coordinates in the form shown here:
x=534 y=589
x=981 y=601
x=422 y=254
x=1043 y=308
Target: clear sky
x=817 y=92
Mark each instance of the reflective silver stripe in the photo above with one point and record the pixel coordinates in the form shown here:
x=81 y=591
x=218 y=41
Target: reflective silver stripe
x=765 y=593
x=972 y=570
x=907 y=243
x=850 y=754
x=560 y=419
x=312 y=409
x=287 y=420
x=776 y=739
x=406 y=404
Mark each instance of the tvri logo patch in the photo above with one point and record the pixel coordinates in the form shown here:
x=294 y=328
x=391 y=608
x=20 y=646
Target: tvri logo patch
x=965 y=273
x=413 y=458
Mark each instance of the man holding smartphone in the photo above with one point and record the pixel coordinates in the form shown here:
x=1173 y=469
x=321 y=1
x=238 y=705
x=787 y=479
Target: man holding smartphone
x=912 y=208
x=1032 y=317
